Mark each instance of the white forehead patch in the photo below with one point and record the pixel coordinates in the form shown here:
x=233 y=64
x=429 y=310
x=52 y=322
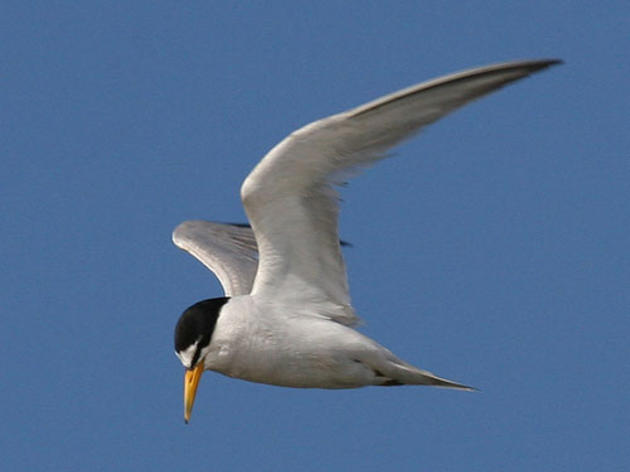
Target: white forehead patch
x=186 y=356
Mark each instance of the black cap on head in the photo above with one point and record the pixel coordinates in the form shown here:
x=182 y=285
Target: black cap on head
x=197 y=324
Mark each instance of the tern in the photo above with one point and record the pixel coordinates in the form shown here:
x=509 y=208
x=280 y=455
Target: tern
x=286 y=318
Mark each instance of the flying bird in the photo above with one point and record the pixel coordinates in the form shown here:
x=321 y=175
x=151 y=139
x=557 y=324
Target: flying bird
x=286 y=317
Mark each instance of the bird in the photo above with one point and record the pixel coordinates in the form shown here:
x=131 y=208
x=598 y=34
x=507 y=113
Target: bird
x=286 y=317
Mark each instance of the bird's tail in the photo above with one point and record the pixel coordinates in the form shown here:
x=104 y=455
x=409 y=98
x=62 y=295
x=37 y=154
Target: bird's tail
x=401 y=373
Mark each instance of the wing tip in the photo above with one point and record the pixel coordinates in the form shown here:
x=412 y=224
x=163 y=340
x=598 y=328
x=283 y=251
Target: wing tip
x=181 y=230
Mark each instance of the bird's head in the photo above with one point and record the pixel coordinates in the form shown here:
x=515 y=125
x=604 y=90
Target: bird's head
x=193 y=334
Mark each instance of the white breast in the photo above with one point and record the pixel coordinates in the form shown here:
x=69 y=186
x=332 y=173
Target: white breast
x=265 y=343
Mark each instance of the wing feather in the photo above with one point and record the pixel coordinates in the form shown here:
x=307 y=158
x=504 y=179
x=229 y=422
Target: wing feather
x=290 y=199
x=228 y=250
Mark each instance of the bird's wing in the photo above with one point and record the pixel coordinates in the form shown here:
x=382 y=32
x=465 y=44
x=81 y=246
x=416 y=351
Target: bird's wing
x=289 y=196
x=228 y=250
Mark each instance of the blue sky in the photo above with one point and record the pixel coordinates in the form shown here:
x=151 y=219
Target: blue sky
x=492 y=250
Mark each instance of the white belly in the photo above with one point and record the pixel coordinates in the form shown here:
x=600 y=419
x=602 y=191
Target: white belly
x=294 y=351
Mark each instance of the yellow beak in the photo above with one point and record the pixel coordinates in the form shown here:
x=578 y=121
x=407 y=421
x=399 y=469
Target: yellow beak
x=191 y=381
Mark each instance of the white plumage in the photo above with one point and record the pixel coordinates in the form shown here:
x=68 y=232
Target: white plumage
x=289 y=319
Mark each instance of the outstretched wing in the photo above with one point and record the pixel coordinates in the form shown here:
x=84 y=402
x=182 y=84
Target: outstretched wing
x=228 y=250
x=289 y=196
